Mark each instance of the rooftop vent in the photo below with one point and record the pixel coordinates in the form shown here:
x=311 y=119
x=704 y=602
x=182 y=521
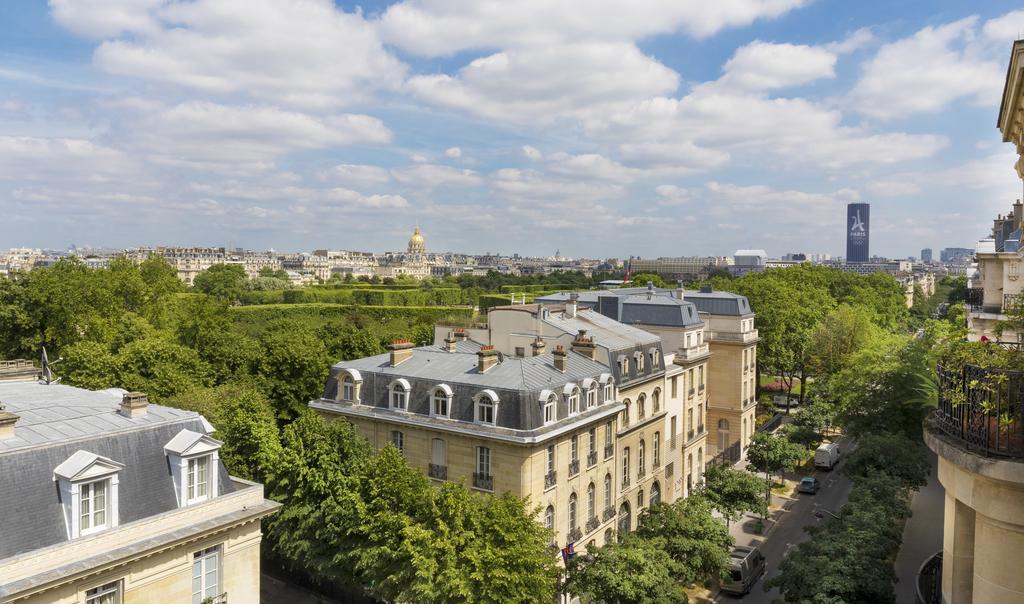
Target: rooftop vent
x=401 y=350
x=572 y=305
x=134 y=404
x=680 y=293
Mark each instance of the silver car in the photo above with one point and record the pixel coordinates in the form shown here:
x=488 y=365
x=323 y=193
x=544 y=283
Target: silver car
x=746 y=565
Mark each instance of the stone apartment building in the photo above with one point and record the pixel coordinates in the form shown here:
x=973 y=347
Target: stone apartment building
x=107 y=499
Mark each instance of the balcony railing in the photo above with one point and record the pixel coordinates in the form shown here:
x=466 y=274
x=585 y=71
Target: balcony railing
x=691 y=392
x=693 y=352
x=607 y=514
x=1011 y=302
x=700 y=429
x=609 y=451
x=592 y=524
x=733 y=336
x=625 y=481
x=437 y=471
x=575 y=535
x=574 y=467
x=218 y=599
x=641 y=472
x=483 y=481
x=591 y=459
x=689 y=435
x=929 y=581
x=983 y=408
x=550 y=479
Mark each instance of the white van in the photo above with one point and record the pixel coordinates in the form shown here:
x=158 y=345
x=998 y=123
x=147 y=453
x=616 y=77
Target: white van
x=826 y=456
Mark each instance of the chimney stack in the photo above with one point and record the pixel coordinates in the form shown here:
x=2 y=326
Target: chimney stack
x=584 y=345
x=450 y=342
x=650 y=289
x=680 y=294
x=401 y=350
x=571 y=305
x=7 y=421
x=538 y=346
x=486 y=358
x=560 y=354
x=460 y=334
x=134 y=404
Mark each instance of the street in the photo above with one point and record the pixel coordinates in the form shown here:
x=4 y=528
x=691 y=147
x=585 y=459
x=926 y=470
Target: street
x=922 y=535
x=789 y=528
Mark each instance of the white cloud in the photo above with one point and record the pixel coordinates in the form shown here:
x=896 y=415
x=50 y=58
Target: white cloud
x=429 y=176
x=671 y=195
x=1005 y=29
x=46 y=159
x=893 y=188
x=540 y=84
x=531 y=152
x=356 y=175
x=443 y=27
x=303 y=53
x=767 y=66
x=853 y=42
x=681 y=155
x=453 y=152
x=927 y=71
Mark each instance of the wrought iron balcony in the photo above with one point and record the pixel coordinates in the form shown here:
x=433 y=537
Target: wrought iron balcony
x=574 y=467
x=609 y=451
x=437 y=471
x=625 y=480
x=483 y=481
x=690 y=393
x=982 y=408
x=700 y=429
x=689 y=435
x=550 y=479
x=574 y=535
x=607 y=514
x=592 y=524
x=929 y=581
x=641 y=472
x=592 y=459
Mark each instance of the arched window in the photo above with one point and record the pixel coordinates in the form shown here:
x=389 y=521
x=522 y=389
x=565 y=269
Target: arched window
x=609 y=389
x=549 y=518
x=625 y=467
x=625 y=413
x=723 y=434
x=400 y=394
x=655 y=493
x=641 y=407
x=572 y=398
x=640 y=471
x=441 y=401
x=608 y=536
x=689 y=473
x=700 y=463
x=607 y=491
x=348 y=388
x=638 y=358
x=656 y=401
x=572 y=511
x=592 y=396
x=591 y=501
x=486 y=407
x=640 y=500
x=656 y=450
x=625 y=522
x=551 y=409
x=655 y=358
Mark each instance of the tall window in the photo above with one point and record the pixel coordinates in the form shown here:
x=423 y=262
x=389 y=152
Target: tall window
x=591 y=397
x=656 y=449
x=591 y=501
x=574 y=447
x=551 y=458
x=672 y=430
x=700 y=374
x=689 y=419
x=572 y=511
x=483 y=461
x=654 y=359
x=625 y=466
x=639 y=500
x=440 y=403
x=439 y=452
x=549 y=518
x=608 y=490
x=198 y=482
x=348 y=388
x=640 y=459
x=655 y=493
x=675 y=386
x=485 y=408
x=105 y=594
x=593 y=441
x=399 y=396
x=656 y=401
x=205 y=574
x=92 y=506
x=608 y=435
x=641 y=407
x=609 y=393
x=573 y=401
x=639 y=358
x=625 y=413
x=398 y=439
x=688 y=340
x=550 y=407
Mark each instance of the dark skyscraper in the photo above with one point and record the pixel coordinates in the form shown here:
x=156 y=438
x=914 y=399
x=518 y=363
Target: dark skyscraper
x=926 y=254
x=857 y=232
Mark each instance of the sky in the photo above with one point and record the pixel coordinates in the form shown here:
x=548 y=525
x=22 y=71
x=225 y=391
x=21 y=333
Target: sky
x=600 y=128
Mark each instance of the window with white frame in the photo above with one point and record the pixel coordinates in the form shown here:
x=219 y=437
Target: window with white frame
x=656 y=450
x=591 y=397
x=550 y=410
x=608 y=435
x=483 y=461
x=93 y=506
x=655 y=359
x=572 y=511
x=591 y=501
x=198 y=478
x=205 y=574
x=688 y=340
x=640 y=459
x=608 y=490
x=573 y=401
x=624 y=366
x=348 y=388
x=574 y=448
x=440 y=401
x=398 y=439
x=486 y=407
x=625 y=412
x=549 y=518
x=400 y=394
x=625 y=466
x=593 y=441
x=551 y=458
x=109 y=593
x=638 y=358
x=656 y=401
x=609 y=390
x=641 y=406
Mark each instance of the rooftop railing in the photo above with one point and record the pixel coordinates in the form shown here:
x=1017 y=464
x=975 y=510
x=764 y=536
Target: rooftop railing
x=983 y=408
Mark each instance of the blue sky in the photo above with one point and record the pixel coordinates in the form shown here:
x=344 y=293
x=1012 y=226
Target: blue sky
x=653 y=128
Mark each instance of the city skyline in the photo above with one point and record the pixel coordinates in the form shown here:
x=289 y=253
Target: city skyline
x=752 y=126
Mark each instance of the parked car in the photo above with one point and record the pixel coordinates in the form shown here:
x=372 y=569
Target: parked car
x=746 y=565
x=826 y=456
x=809 y=484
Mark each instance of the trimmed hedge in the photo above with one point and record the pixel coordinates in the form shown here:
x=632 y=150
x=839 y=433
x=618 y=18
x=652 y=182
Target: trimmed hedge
x=265 y=313
x=439 y=296
x=539 y=288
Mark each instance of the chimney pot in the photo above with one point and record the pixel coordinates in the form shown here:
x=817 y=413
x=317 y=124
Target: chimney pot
x=401 y=350
x=538 y=346
x=450 y=342
x=134 y=404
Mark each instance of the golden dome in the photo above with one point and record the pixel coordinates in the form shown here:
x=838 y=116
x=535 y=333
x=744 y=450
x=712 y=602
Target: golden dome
x=416 y=242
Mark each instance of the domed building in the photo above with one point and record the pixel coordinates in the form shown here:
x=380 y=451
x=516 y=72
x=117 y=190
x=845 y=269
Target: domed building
x=417 y=245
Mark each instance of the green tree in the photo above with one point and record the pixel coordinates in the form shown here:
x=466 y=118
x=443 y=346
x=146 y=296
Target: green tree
x=293 y=367
x=770 y=454
x=160 y=277
x=160 y=368
x=733 y=492
x=642 y=279
x=888 y=454
x=88 y=365
x=696 y=541
x=635 y=571
x=222 y=281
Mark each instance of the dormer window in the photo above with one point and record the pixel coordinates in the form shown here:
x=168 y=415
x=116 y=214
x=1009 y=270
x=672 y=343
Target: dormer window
x=609 y=388
x=639 y=358
x=399 y=393
x=194 y=459
x=572 y=398
x=486 y=403
x=550 y=409
x=88 y=484
x=350 y=384
x=441 y=401
x=623 y=366
x=655 y=358
x=591 y=396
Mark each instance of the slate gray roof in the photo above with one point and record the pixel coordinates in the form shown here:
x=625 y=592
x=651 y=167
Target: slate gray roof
x=56 y=413
x=714 y=302
x=720 y=303
x=606 y=331
x=56 y=422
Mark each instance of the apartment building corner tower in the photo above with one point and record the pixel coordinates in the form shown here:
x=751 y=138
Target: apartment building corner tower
x=857 y=232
